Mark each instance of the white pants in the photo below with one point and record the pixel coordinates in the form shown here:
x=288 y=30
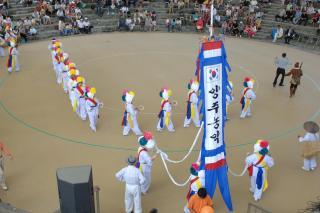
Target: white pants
x=2 y=176
x=93 y=118
x=170 y=126
x=246 y=113
x=257 y=193
x=65 y=79
x=59 y=69
x=195 y=120
x=147 y=175
x=81 y=109
x=16 y=64
x=135 y=129
x=133 y=198
x=1 y=52
x=310 y=163
x=72 y=97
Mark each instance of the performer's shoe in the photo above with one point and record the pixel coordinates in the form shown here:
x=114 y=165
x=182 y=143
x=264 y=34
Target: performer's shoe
x=172 y=130
x=4 y=187
x=159 y=130
x=281 y=85
x=305 y=169
x=274 y=85
x=186 y=126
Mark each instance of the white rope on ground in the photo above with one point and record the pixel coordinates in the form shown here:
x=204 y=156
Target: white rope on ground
x=189 y=152
x=239 y=175
x=163 y=157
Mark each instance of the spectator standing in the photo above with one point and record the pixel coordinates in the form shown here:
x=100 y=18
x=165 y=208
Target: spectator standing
x=133 y=179
x=282 y=64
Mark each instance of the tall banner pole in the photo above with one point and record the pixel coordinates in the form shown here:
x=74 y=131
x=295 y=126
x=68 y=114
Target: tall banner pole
x=213 y=86
x=211 y=19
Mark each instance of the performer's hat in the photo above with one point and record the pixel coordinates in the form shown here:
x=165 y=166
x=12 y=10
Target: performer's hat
x=131 y=160
x=193 y=84
x=80 y=79
x=65 y=56
x=87 y=89
x=93 y=90
x=72 y=72
x=311 y=127
x=195 y=168
x=262 y=147
x=72 y=65
x=248 y=82
x=128 y=96
x=296 y=65
x=165 y=93
x=147 y=140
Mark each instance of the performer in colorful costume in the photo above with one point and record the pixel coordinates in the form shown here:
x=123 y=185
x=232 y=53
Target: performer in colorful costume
x=258 y=164
x=52 y=48
x=67 y=66
x=165 y=113
x=80 y=98
x=247 y=96
x=311 y=145
x=72 y=84
x=147 y=144
x=92 y=107
x=229 y=97
x=59 y=65
x=192 y=105
x=13 y=62
x=129 y=121
x=197 y=181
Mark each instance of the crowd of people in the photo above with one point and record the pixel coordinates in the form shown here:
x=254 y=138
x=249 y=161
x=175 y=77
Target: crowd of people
x=82 y=97
x=141 y=19
x=306 y=13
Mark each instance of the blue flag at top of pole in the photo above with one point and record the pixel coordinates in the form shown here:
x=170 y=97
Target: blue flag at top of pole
x=213 y=76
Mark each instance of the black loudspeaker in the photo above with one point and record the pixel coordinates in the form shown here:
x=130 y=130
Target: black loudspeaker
x=75 y=188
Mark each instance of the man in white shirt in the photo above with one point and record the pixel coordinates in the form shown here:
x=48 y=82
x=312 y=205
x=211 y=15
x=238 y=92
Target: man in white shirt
x=87 y=26
x=133 y=179
x=80 y=25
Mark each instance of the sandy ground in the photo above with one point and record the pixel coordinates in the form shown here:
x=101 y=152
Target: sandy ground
x=38 y=125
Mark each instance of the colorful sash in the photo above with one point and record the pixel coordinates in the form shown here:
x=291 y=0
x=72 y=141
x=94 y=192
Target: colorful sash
x=199 y=185
x=243 y=100
x=190 y=107
x=138 y=164
x=127 y=119
x=163 y=117
x=10 y=63
x=261 y=164
x=80 y=90
x=92 y=101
